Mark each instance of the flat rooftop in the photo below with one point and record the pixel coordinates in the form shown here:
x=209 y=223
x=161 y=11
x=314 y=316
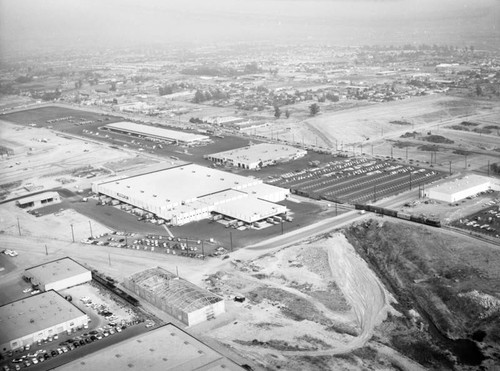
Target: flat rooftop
x=35 y=313
x=182 y=183
x=56 y=270
x=177 y=292
x=164 y=348
x=157 y=132
x=260 y=152
x=38 y=197
x=462 y=184
x=250 y=209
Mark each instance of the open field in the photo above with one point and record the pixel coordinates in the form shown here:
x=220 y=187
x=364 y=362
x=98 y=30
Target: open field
x=41 y=117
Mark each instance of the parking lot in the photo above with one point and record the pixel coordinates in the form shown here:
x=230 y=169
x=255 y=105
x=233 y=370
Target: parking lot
x=355 y=180
x=486 y=221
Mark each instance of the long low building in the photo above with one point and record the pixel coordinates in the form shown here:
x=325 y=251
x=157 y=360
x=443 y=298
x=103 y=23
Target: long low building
x=191 y=192
x=39 y=200
x=257 y=156
x=459 y=189
x=180 y=298
x=157 y=133
x=166 y=348
x=58 y=274
x=25 y=321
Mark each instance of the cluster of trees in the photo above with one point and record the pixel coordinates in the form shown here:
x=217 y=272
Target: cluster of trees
x=168 y=89
x=24 y=79
x=217 y=94
x=278 y=112
x=495 y=168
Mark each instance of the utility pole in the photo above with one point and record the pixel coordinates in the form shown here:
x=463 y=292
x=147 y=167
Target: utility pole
x=46 y=251
x=90 y=226
x=18 y=226
x=202 y=250
x=72 y=233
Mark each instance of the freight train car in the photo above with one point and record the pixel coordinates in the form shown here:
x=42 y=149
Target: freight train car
x=435 y=222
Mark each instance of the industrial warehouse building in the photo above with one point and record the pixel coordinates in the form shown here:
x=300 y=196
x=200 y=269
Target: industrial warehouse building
x=161 y=349
x=181 y=299
x=39 y=200
x=58 y=274
x=37 y=317
x=187 y=193
x=156 y=133
x=459 y=189
x=257 y=156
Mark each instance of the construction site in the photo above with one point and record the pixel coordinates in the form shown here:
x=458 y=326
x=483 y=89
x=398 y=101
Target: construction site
x=181 y=299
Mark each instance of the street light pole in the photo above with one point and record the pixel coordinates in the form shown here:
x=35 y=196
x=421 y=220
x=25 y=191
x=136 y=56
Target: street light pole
x=72 y=233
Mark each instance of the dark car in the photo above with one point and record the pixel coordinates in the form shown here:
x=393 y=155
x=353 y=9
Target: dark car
x=82 y=342
x=54 y=353
x=46 y=356
x=88 y=340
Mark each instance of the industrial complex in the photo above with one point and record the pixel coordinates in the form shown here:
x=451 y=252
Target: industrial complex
x=156 y=133
x=459 y=189
x=165 y=348
x=28 y=320
x=257 y=156
x=183 y=300
x=58 y=275
x=187 y=193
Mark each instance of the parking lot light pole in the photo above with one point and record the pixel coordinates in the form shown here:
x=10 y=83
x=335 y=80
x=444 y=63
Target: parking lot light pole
x=72 y=233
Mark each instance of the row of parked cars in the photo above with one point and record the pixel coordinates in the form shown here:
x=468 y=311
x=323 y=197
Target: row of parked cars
x=42 y=355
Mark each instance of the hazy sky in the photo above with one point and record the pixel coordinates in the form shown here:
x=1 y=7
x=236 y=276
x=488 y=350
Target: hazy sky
x=32 y=24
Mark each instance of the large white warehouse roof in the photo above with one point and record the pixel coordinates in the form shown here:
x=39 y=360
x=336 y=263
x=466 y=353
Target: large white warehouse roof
x=156 y=132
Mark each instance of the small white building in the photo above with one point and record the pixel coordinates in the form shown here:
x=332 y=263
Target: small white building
x=459 y=189
x=39 y=200
x=58 y=274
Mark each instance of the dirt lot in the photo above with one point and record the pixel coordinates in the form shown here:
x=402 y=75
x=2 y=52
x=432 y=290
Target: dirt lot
x=446 y=286
x=303 y=309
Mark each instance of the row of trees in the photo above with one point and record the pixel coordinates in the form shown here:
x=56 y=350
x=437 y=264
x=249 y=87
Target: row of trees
x=313 y=111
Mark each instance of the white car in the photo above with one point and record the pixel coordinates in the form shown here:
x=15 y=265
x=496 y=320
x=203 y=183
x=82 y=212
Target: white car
x=34 y=292
x=26 y=290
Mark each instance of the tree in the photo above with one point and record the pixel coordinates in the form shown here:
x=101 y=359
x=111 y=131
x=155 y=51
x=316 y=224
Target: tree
x=287 y=114
x=277 y=112
x=198 y=97
x=314 y=109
